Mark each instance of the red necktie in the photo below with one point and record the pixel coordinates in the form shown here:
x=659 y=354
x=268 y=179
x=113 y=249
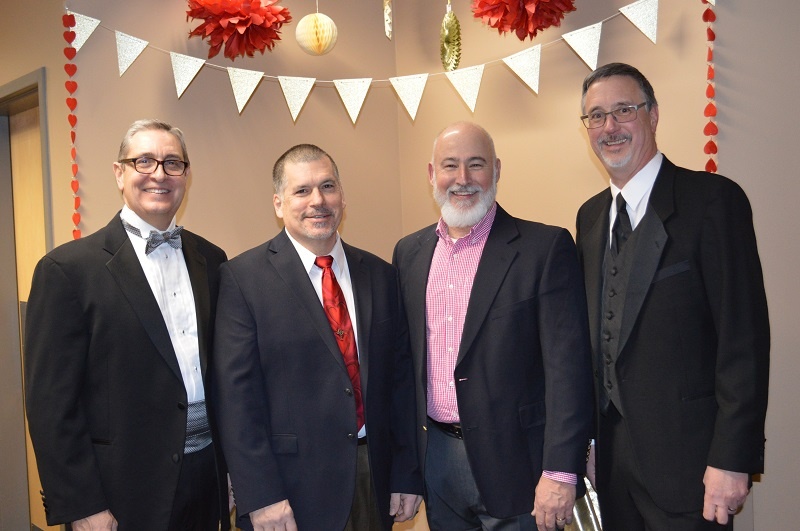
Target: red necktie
x=336 y=309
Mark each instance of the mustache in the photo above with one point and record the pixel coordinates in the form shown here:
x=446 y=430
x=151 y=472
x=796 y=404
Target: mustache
x=320 y=211
x=468 y=189
x=613 y=138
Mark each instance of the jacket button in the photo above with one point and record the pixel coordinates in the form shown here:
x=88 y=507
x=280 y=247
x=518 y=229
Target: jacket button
x=348 y=392
x=351 y=436
x=181 y=406
x=175 y=458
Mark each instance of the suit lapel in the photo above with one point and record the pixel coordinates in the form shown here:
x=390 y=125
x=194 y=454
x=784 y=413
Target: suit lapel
x=287 y=263
x=593 y=254
x=495 y=260
x=124 y=266
x=198 y=276
x=362 y=295
x=415 y=289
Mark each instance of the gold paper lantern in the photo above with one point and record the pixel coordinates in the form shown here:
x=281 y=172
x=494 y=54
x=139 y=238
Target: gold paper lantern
x=316 y=34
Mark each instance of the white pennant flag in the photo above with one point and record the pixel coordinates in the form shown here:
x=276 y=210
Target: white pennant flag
x=644 y=15
x=84 y=27
x=128 y=49
x=586 y=43
x=526 y=65
x=243 y=83
x=712 y=2
x=410 y=89
x=184 y=69
x=295 y=90
x=467 y=81
x=353 y=92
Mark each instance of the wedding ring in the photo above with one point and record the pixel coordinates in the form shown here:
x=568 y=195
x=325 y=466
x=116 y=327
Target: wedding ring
x=732 y=510
x=561 y=520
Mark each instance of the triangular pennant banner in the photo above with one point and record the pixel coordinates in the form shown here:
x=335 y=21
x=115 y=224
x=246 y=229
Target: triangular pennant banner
x=353 y=92
x=128 y=49
x=243 y=83
x=295 y=90
x=84 y=27
x=644 y=15
x=712 y=2
x=184 y=69
x=410 y=89
x=586 y=43
x=526 y=65
x=467 y=81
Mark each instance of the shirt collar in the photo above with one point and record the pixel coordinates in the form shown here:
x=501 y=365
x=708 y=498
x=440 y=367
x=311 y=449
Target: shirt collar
x=307 y=257
x=479 y=230
x=640 y=184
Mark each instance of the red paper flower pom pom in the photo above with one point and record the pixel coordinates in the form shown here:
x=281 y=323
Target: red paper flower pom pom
x=524 y=17
x=243 y=26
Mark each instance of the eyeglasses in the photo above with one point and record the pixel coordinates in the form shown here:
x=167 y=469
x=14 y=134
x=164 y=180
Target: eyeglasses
x=621 y=115
x=148 y=165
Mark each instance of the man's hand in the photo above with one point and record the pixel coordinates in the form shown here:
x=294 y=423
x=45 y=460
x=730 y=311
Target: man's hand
x=404 y=506
x=276 y=517
x=552 y=504
x=104 y=521
x=725 y=493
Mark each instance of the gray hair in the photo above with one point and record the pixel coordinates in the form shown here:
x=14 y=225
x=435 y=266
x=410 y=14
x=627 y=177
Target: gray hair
x=151 y=124
x=620 y=69
x=297 y=154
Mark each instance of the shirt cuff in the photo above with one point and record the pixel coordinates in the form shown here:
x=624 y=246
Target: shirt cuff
x=563 y=477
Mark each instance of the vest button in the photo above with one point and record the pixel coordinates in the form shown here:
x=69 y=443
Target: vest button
x=609 y=315
x=608 y=360
x=614 y=271
x=609 y=385
x=607 y=336
x=611 y=293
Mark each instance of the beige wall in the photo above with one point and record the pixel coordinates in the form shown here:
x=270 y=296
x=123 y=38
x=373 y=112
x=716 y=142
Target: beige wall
x=548 y=168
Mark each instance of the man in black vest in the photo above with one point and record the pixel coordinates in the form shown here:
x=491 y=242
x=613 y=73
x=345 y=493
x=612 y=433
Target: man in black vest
x=679 y=324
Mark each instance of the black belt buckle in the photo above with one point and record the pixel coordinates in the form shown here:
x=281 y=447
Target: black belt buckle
x=453 y=430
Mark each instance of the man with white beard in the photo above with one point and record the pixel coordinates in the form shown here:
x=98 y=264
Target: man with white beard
x=499 y=337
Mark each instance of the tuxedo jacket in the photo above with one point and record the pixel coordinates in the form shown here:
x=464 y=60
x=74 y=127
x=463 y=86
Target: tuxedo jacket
x=284 y=398
x=522 y=377
x=105 y=399
x=693 y=358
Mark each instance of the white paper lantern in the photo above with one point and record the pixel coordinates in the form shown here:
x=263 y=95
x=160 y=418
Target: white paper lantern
x=316 y=34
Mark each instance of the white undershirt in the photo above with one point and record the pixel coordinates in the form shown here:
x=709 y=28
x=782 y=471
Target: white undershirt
x=636 y=193
x=165 y=269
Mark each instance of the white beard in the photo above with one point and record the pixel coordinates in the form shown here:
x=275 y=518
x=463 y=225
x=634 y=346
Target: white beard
x=463 y=218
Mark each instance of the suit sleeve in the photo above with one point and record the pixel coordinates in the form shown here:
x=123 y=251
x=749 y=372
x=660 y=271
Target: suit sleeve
x=57 y=341
x=563 y=325
x=735 y=291
x=242 y=411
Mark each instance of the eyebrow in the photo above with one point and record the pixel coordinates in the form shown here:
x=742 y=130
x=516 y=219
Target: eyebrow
x=468 y=160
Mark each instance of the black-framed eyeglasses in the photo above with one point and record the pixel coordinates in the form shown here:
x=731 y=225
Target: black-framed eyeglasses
x=621 y=115
x=148 y=165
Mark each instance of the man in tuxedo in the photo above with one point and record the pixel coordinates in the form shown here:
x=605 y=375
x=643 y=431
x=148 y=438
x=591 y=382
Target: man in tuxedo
x=316 y=408
x=679 y=323
x=119 y=330
x=497 y=321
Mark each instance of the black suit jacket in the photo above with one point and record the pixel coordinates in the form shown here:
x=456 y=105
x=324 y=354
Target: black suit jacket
x=523 y=379
x=286 y=410
x=105 y=399
x=694 y=346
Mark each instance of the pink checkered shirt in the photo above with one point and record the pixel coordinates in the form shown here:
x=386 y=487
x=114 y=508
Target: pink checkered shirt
x=449 y=286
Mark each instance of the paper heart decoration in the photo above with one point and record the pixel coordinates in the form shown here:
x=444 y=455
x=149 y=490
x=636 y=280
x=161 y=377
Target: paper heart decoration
x=73 y=152
x=70 y=69
x=711 y=110
x=70 y=52
x=710 y=129
x=76 y=219
x=75 y=185
x=68 y=21
x=710 y=74
x=710 y=35
x=710 y=54
x=710 y=91
x=73 y=120
x=76 y=234
x=71 y=86
x=72 y=103
x=77 y=202
x=74 y=170
x=710 y=148
x=709 y=16
x=72 y=136
x=711 y=166
x=69 y=36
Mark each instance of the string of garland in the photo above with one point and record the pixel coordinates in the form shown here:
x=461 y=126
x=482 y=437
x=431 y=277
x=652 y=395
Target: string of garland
x=71 y=85
x=711 y=130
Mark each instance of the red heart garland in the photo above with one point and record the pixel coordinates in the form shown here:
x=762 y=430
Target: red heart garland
x=73 y=120
x=710 y=74
x=709 y=16
x=70 y=52
x=72 y=103
x=70 y=69
x=76 y=219
x=711 y=166
x=711 y=110
x=74 y=184
x=69 y=36
x=76 y=234
x=72 y=136
x=710 y=148
x=710 y=91
x=68 y=20
x=711 y=36
x=74 y=170
x=77 y=202
x=710 y=55
x=71 y=86
x=710 y=129
x=73 y=152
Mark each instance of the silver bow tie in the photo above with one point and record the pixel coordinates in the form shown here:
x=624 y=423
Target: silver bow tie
x=173 y=237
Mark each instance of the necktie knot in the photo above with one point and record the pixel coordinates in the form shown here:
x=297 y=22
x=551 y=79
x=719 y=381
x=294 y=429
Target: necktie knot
x=323 y=262
x=172 y=238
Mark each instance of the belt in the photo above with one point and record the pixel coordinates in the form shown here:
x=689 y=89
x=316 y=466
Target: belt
x=453 y=430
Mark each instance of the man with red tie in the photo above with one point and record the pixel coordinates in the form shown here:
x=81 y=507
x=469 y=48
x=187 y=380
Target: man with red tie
x=315 y=390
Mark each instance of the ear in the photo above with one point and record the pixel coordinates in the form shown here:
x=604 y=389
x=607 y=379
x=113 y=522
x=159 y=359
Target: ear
x=431 y=174
x=119 y=172
x=497 y=169
x=653 y=118
x=277 y=202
